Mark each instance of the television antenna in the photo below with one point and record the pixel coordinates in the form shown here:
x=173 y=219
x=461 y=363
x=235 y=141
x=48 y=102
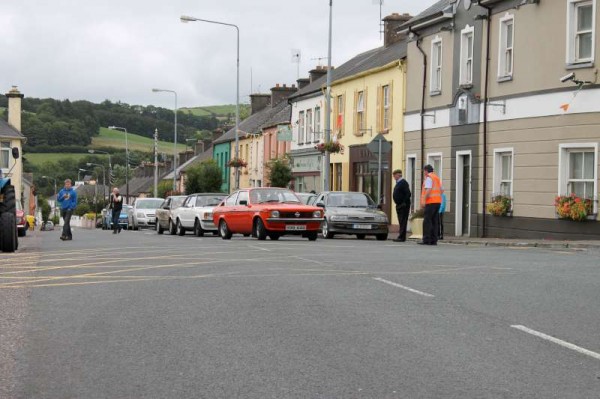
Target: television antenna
x=381 y=30
x=296 y=58
x=319 y=59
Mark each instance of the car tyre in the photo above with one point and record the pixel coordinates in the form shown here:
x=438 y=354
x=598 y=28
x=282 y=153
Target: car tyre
x=325 y=230
x=259 y=229
x=360 y=236
x=224 y=230
x=172 y=228
x=198 y=232
x=312 y=236
x=274 y=236
x=180 y=229
x=381 y=237
x=159 y=229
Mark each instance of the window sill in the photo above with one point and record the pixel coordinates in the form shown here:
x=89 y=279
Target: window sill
x=579 y=65
x=435 y=93
x=466 y=86
x=502 y=79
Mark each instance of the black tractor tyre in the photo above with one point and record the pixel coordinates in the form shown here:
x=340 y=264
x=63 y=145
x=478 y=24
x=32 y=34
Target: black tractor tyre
x=10 y=202
x=8 y=232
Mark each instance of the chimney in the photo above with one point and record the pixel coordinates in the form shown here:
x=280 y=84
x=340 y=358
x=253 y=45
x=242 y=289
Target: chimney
x=14 y=107
x=303 y=82
x=218 y=132
x=258 y=102
x=317 y=73
x=280 y=93
x=391 y=24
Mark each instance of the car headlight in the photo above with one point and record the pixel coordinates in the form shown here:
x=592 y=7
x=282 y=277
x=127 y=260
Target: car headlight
x=207 y=216
x=274 y=214
x=339 y=218
x=141 y=215
x=382 y=218
x=317 y=214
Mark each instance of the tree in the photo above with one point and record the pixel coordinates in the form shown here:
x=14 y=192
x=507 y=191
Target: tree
x=164 y=188
x=205 y=177
x=280 y=172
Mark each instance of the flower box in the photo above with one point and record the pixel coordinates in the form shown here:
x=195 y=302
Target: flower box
x=332 y=147
x=500 y=205
x=572 y=207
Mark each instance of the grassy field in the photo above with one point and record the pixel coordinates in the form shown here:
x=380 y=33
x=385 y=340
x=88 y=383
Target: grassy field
x=217 y=110
x=39 y=158
x=116 y=138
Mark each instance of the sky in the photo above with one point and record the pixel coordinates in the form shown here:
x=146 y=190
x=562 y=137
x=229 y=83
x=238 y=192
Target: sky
x=120 y=49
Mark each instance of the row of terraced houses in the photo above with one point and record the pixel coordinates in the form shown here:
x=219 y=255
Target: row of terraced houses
x=500 y=96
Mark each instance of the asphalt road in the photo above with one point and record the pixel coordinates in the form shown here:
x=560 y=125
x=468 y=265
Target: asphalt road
x=138 y=315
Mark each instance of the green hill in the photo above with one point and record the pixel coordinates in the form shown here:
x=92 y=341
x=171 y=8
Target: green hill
x=218 y=111
x=116 y=139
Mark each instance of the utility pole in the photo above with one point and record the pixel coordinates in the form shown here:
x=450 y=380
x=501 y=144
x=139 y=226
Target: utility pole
x=326 y=177
x=155 y=163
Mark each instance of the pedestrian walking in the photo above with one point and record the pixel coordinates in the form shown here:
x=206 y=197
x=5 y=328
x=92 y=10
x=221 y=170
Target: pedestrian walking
x=431 y=200
x=116 y=205
x=401 y=197
x=442 y=211
x=67 y=197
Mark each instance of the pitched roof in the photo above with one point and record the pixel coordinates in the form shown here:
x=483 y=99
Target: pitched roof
x=362 y=62
x=281 y=117
x=7 y=131
x=254 y=122
x=434 y=11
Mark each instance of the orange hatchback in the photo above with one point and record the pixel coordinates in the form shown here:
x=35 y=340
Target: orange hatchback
x=264 y=212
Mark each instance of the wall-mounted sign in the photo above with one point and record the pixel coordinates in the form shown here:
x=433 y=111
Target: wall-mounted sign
x=284 y=133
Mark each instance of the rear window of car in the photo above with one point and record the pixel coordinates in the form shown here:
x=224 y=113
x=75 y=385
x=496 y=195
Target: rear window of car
x=148 y=204
x=209 y=200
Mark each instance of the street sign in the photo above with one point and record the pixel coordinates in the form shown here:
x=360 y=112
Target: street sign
x=284 y=133
x=373 y=146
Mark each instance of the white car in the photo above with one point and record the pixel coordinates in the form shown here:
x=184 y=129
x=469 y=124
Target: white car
x=196 y=214
x=143 y=213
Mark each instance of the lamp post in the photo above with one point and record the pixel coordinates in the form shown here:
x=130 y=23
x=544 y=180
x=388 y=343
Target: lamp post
x=103 y=177
x=186 y=19
x=126 y=161
x=174 y=140
x=326 y=176
x=109 y=163
x=78 y=175
x=55 y=191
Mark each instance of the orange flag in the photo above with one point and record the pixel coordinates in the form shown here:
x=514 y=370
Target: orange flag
x=565 y=107
x=339 y=121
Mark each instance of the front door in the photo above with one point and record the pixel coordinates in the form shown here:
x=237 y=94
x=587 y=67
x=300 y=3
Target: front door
x=463 y=193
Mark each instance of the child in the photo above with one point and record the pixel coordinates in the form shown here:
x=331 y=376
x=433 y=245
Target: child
x=442 y=210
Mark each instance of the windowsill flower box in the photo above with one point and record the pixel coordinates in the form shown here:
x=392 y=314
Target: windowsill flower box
x=572 y=207
x=500 y=205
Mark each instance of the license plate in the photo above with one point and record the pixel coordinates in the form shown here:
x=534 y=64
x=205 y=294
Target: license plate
x=362 y=226
x=295 y=227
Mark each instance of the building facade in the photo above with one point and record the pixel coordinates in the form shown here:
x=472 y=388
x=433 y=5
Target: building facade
x=11 y=137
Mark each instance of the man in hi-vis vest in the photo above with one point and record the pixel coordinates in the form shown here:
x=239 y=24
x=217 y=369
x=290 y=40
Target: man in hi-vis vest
x=431 y=200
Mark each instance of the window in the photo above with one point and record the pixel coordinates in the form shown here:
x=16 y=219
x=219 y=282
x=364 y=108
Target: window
x=301 y=128
x=360 y=112
x=436 y=66
x=5 y=154
x=578 y=168
x=230 y=201
x=243 y=196
x=317 y=131
x=309 y=125
x=411 y=178
x=386 y=114
x=503 y=171
x=339 y=120
x=505 y=56
x=466 y=56
x=580 y=32
x=435 y=160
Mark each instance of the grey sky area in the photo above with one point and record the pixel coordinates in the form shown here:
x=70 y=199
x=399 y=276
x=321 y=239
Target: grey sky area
x=120 y=49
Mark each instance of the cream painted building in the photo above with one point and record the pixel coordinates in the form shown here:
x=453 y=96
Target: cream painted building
x=11 y=137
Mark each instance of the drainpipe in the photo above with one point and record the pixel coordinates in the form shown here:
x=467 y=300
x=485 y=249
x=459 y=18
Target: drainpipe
x=422 y=98
x=485 y=112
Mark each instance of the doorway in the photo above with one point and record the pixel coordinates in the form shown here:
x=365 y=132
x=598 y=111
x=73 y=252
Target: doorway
x=463 y=193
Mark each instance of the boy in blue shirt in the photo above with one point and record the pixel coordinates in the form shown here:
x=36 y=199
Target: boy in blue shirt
x=67 y=197
x=442 y=211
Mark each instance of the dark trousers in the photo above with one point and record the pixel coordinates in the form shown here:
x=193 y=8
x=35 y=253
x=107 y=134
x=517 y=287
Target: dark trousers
x=66 y=215
x=441 y=234
x=431 y=223
x=115 y=220
x=402 y=211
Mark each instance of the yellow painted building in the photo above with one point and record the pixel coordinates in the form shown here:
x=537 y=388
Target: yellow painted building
x=365 y=104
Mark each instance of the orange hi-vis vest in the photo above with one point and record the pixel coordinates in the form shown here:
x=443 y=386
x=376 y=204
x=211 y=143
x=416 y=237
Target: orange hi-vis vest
x=435 y=195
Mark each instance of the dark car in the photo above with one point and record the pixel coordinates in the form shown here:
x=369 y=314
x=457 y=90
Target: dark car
x=355 y=213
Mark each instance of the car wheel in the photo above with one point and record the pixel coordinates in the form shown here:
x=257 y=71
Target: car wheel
x=180 y=229
x=325 y=230
x=259 y=229
x=224 y=230
x=274 y=236
x=159 y=228
x=172 y=228
x=360 y=236
x=312 y=236
x=198 y=232
x=381 y=237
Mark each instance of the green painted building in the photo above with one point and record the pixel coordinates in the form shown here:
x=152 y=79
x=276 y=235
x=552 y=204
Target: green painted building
x=222 y=155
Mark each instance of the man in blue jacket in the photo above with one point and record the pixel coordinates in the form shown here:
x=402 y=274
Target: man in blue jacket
x=68 y=201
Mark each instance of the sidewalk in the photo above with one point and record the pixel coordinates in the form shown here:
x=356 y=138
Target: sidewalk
x=516 y=242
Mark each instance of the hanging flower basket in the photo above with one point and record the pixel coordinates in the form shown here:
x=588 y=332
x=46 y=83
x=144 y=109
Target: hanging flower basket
x=572 y=207
x=237 y=163
x=333 y=147
x=500 y=205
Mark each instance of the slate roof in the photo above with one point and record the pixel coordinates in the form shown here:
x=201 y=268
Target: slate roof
x=88 y=190
x=281 y=117
x=429 y=13
x=7 y=131
x=203 y=156
x=363 y=62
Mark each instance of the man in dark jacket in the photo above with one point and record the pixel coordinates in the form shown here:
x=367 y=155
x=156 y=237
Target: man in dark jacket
x=402 y=200
x=116 y=204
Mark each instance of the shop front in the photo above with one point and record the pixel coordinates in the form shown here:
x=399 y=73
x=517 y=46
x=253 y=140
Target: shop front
x=306 y=171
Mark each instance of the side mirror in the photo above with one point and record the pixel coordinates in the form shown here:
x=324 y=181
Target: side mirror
x=380 y=207
x=243 y=202
x=320 y=205
x=15 y=152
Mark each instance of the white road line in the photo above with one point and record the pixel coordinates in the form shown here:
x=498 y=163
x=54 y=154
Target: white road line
x=558 y=341
x=260 y=248
x=404 y=287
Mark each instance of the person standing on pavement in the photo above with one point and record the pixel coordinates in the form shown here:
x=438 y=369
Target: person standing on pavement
x=67 y=197
x=431 y=200
x=116 y=204
x=442 y=211
x=402 y=200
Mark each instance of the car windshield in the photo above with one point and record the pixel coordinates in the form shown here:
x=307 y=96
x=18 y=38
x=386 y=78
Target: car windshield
x=273 y=195
x=349 y=200
x=177 y=201
x=148 y=203
x=209 y=200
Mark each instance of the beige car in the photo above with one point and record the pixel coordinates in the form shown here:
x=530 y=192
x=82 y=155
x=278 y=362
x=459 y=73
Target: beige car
x=163 y=214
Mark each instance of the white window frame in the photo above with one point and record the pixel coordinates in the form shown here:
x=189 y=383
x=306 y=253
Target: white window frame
x=317 y=132
x=360 y=111
x=563 y=167
x=7 y=150
x=505 y=70
x=433 y=155
x=408 y=172
x=466 y=62
x=386 y=109
x=435 y=83
x=309 y=125
x=301 y=124
x=497 y=174
x=572 y=6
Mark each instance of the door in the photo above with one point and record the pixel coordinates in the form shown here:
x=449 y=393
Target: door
x=187 y=213
x=463 y=193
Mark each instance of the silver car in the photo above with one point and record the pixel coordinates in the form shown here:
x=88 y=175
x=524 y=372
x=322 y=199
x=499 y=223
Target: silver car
x=143 y=212
x=196 y=214
x=355 y=213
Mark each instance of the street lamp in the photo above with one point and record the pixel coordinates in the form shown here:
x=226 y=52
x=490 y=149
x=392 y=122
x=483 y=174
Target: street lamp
x=175 y=139
x=109 y=163
x=55 y=191
x=186 y=19
x=80 y=170
x=103 y=177
x=126 y=161
x=326 y=177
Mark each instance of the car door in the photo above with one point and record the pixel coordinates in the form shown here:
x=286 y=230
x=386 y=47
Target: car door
x=244 y=213
x=187 y=214
x=227 y=210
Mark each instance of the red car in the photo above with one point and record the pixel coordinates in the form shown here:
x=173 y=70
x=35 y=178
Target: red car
x=21 y=221
x=264 y=212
